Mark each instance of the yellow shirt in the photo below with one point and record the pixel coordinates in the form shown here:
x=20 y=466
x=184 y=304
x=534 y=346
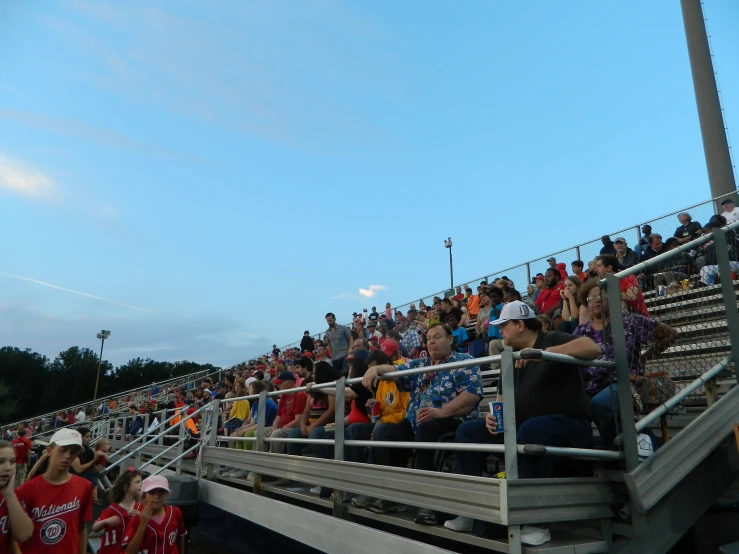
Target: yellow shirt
x=393 y=402
x=240 y=410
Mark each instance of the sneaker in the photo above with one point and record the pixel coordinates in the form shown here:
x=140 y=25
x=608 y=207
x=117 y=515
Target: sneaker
x=315 y=490
x=226 y=470
x=232 y=472
x=534 y=536
x=381 y=506
x=283 y=482
x=361 y=501
x=239 y=474
x=427 y=517
x=250 y=477
x=460 y=524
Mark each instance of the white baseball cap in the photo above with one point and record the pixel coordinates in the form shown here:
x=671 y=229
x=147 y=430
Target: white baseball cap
x=513 y=311
x=66 y=437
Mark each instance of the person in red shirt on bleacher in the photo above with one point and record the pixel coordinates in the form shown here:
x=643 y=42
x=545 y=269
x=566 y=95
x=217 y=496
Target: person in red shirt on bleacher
x=549 y=299
x=23 y=448
x=631 y=292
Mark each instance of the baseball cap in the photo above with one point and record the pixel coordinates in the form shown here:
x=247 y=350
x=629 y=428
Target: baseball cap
x=66 y=437
x=550 y=259
x=620 y=239
x=221 y=384
x=373 y=338
x=728 y=201
x=155 y=482
x=208 y=391
x=250 y=380
x=389 y=347
x=284 y=376
x=513 y=311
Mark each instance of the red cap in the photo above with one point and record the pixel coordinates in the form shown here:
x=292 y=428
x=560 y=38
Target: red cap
x=389 y=347
x=373 y=338
x=308 y=354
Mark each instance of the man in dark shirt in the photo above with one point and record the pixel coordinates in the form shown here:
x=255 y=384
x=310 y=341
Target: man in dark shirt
x=608 y=247
x=688 y=229
x=551 y=406
x=306 y=343
x=447 y=309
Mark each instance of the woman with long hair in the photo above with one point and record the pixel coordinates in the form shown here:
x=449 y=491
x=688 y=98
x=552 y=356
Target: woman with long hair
x=319 y=410
x=570 y=304
x=124 y=498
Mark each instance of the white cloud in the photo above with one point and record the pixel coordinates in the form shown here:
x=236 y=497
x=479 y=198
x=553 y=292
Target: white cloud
x=20 y=179
x=341 y=296
x=372 y=290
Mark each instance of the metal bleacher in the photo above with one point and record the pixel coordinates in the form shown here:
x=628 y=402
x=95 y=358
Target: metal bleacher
x=644 y=508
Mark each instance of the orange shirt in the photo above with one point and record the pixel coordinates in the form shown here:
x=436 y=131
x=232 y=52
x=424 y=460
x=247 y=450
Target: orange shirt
x=473 y=305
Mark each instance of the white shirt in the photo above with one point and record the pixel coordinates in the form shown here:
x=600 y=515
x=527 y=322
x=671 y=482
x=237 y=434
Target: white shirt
x=80 y=417
x=732 y=216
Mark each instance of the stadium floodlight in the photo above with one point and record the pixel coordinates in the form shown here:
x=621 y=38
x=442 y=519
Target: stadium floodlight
x=448 y=244
x=102 y=335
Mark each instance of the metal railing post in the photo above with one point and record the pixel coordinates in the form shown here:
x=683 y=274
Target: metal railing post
x=180 y=442
x=509 y=441
x=161 y=435
x=727 y=290
x=213 y=431
x=339 y=440
x=259 y=446
x=528 y=275
x=137 y=456
x=623 y=375
x=577 y=252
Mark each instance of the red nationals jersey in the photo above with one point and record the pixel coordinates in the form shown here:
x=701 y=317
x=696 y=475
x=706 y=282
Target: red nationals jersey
x=6 y=541
x=161 y=537
x=22 y=447
x=58 y=513
x=113 y=534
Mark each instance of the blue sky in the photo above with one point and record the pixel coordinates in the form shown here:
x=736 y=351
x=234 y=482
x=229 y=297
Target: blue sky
x=213 y=178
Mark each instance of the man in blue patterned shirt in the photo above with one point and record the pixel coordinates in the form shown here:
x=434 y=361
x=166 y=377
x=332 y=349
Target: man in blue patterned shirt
x=439 y=402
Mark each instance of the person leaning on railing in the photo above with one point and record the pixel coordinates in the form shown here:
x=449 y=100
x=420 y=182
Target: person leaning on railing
x=641 y=332
x=439 y=403
x=551 y=406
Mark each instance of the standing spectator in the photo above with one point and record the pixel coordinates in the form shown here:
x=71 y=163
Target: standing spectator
x=374 y=316
x=409 y=338
x=626 y=256
x=16 y=525
x=473 y=303
x=688 y=230
x=552 y=262
x=608 y=247
x=338 y=338
x=550 y=405
x=275 y=351
x=631 y=292
x=306 y=343
x=124 y=504
x=388 y=311
x=289 y=410
x=59 y=488
x=731 y=212
x=549 y=300
x=577 y=269
x=23 y=450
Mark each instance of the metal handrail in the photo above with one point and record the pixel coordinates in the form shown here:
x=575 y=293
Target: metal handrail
x=114 y=395
x=670 y=403
x=176 y=459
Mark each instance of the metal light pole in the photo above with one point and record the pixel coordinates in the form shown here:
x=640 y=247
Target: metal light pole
x=102 y=335
x=448 y=244
x=715 y=144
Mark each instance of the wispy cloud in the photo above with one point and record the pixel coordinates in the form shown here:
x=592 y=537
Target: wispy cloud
x=98 y=135
x=21 y=179
x=341 y=296
x=86 y=294
x=372 y=290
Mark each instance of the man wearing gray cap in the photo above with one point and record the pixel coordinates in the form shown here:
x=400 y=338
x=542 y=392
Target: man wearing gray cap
x=626 y=256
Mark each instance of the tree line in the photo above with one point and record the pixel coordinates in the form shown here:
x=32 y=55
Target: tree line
x=31 y=383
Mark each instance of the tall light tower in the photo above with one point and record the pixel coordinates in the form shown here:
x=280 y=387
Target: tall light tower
x=448 y=244
x=102 y=335
x=715 y=144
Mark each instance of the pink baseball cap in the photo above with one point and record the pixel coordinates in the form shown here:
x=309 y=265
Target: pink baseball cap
x=155 y=482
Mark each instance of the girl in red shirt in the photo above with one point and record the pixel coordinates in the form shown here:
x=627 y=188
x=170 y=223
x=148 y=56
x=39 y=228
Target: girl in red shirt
x=59 y=503
x=115 y=518
x=15 y=525
x=159 y=529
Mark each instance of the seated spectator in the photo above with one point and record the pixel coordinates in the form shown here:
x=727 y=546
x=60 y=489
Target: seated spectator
x=494 y=338
x=626 y=256
x=688 y=229
x=289 y=410
x=531 y=292
x=641 y=332
x=608 y=247
x=549 y=300
x=461 y=340
x=458 y=294
x=409 y=339
x=667 y=272
x=303 y=368
x=707 y=261
x=577 y=269
x=570 y=304
x=731 y=212
x=550 y=405
x=359 y=344
x=137 y=423
x=319 y=411
x=249 y=428
x=631 y=292
x=240 y=409
x=439 y=402
x=321 y=353
x=591 y=270
x=539 y=284
x=512 y=294
x=447 y=308
x=546 y=323
x=641 y=246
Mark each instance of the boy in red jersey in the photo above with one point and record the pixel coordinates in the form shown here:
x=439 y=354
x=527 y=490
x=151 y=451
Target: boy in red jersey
x=59 y=503
x=160 y=528
x=23 y=448
x=15 y=525
x=125 y=505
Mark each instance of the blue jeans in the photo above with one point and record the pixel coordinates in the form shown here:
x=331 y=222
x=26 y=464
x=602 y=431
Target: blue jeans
x=357 y=432
x=550 y=430
x=604 y=410
x=296 y=449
